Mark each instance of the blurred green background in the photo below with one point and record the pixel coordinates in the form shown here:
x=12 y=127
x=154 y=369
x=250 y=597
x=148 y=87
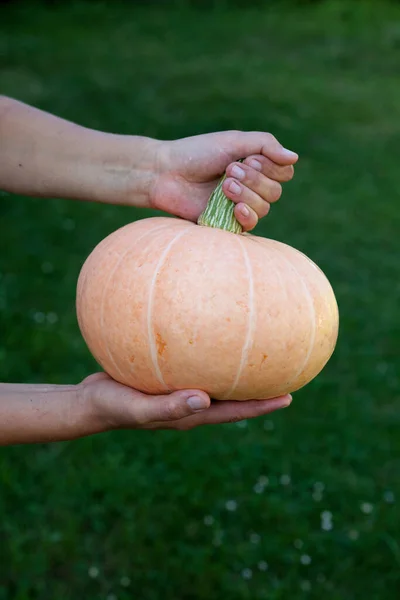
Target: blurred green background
x=303 y=504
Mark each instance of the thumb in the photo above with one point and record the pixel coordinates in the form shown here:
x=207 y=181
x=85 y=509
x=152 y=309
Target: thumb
x=247 y=143
x=172 y=407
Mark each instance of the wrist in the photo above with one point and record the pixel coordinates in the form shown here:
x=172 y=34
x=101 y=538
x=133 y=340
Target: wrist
x=127 y=169
x=92 y=411
x=97 y=394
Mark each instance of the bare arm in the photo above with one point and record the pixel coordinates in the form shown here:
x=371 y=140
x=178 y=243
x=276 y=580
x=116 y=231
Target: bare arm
x=44 y=155
x=48 y=413
x=44 y=413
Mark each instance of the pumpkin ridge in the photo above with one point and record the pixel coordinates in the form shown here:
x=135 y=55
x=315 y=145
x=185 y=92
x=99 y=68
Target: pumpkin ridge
x=150 y=331
x=311 y=305
x=248 y=341
x=106 y=287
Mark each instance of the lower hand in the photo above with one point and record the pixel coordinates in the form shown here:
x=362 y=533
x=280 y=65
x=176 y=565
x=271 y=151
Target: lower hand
x=121 y=407
x=188 y=170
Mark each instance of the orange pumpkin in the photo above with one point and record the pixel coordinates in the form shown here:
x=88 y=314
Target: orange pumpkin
x=165 y=304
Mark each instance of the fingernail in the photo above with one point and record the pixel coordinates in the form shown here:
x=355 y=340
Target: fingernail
x=244 y=210
x=289 y=153
x=255 y=164
x=286 y=401
x=238 y=172
x=234 y=188
x=197 y=403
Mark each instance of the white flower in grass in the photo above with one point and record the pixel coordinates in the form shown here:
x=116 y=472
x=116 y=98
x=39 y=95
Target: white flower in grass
x=388 y=497
x=231 y=505
x=318 y=490
x=327 y=525
x=93 y=572
x=285 y=479
x=261 y=484
x=305 y=559
x=326 y=520
x=263 y=480
x=258 y=488
x=255 y=538
x=247 y=573
x=319 y=486
x=262 y=565
x=367 y=508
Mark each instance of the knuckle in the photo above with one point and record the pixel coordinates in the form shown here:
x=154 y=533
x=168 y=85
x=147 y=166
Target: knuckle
x=271 y=139
x=172 y=410
x=252 y=178
x=258 y=157
x=270 y=136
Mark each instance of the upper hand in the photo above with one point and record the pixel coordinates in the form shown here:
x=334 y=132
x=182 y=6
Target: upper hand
x=121 y=407
x=189 y=169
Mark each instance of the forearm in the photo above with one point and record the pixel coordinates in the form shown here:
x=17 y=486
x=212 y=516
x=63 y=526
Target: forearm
x=45 y=413
x=43 y=155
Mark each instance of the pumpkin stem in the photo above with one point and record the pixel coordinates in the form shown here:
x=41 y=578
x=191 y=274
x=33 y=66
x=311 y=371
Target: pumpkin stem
x=219 y=211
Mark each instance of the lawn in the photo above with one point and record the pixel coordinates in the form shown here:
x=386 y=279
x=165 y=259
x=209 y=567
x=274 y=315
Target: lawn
x=305 y=503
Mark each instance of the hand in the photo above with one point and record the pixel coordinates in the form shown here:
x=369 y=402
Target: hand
x=121 y=407
x=189 y=169
x=43 y=155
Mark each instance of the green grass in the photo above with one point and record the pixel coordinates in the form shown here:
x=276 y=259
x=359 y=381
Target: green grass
x=122 y=515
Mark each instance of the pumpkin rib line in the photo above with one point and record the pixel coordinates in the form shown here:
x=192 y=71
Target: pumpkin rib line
x=273 y=267
x=150 y=329
x=106 y=287
x=311 y=306
x=249 y=338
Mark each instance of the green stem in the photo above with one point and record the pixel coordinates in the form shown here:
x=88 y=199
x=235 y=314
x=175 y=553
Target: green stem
x=219 y=212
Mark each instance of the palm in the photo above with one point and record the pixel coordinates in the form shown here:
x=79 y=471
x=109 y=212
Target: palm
x=123 y=407
x=193 y=168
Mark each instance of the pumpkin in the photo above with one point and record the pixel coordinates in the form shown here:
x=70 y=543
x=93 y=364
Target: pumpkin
x=165 y=304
